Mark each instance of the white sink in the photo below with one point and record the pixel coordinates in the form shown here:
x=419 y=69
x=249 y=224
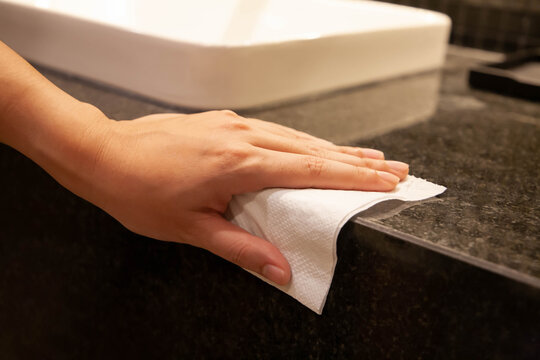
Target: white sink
x=226 y=53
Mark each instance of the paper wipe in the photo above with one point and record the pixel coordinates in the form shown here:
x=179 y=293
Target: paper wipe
x=304 y=225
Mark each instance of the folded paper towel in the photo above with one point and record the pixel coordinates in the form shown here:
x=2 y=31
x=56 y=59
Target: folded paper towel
x=304 y=225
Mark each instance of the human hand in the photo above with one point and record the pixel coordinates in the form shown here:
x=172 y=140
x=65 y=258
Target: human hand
x=171 y=177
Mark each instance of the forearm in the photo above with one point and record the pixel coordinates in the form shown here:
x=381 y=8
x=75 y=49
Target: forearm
x=58 y=132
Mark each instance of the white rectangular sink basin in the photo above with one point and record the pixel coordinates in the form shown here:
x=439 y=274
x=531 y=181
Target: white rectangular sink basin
x=214 y=54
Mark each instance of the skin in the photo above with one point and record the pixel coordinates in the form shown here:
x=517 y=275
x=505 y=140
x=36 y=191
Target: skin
x=171 y=176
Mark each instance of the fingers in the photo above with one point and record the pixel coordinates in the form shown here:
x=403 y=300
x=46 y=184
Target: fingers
x=364 y=152
x=284 y=145
x=303 y=138
x=306 y=171
x=243 y=249
x=283 y=139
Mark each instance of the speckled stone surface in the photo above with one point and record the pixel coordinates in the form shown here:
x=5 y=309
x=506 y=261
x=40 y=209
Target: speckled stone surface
x=75 y=284
x=485 y=149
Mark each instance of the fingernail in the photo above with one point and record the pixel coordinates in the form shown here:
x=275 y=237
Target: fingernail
x=391 y=178
x=372 y=153
x=273 y=273
x=398 y=166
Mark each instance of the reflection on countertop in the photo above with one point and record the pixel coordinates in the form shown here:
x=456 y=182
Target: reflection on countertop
x=363 y=112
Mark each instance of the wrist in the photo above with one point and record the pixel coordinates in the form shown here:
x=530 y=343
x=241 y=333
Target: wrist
x=66 y=140
x=72 y=155
x=61 y=134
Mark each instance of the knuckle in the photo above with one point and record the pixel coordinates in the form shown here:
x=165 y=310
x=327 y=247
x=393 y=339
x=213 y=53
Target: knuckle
x=234 y=122
x=362 y=173
x=317 y=151
x=237 y=153
x=238 y=252
x=233 y=157
x=359 y=172
x=237 y=124
x=363 y=163
x=314 y=165
x=228 y=113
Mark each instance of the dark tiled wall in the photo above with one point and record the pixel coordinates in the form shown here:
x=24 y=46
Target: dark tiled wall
x=499 y=25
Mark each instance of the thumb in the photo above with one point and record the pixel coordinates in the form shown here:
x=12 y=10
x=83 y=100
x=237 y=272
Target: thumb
x=241 y=248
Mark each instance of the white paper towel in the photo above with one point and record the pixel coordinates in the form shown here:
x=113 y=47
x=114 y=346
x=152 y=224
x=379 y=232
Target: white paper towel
x=304 y=225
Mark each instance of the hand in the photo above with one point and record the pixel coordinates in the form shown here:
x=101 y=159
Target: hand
x=171 y=177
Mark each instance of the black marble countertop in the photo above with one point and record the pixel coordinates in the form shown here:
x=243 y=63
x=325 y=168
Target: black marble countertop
x=453 y=277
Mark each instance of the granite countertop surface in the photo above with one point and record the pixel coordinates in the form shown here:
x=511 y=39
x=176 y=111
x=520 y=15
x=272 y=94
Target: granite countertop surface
x=483 y=147
x=75 y=284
